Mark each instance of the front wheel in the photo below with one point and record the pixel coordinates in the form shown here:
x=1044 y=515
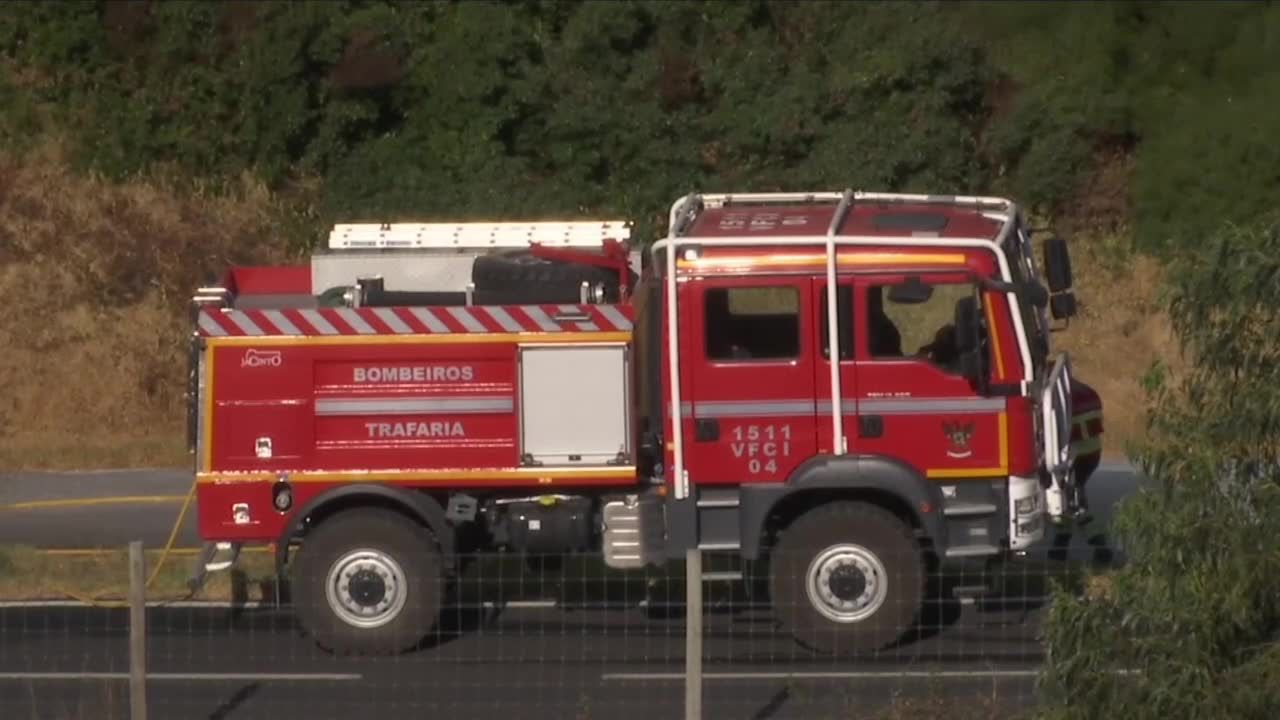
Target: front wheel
x=847 y=577
x=368 y=582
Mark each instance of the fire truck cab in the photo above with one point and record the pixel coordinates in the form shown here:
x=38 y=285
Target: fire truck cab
x=855 y=388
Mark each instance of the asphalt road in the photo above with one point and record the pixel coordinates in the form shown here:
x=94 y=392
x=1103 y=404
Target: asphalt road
x=69 y=663
x=111 y=509
x=72 y=664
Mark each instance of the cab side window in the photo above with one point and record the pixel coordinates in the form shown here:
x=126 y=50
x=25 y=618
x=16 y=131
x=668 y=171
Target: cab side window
x=752 y=323
x=916 y=331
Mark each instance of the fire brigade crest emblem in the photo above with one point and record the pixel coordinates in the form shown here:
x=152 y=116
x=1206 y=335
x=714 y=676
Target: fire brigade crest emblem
x=958 y=434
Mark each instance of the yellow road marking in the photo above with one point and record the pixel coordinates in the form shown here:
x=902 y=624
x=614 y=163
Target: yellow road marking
x=93 y=502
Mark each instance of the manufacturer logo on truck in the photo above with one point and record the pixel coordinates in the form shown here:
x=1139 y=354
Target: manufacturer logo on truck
x=414 y=373
x=261 y=358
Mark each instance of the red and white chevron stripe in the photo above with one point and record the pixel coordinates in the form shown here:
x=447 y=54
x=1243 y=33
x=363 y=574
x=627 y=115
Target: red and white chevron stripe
x=320 y=322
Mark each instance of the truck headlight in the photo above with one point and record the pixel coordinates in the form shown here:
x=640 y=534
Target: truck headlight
x=1024 y=506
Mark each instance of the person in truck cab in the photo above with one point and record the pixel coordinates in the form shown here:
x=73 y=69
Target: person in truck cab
x=723 y=339
x=885 y=339
x=944 y=350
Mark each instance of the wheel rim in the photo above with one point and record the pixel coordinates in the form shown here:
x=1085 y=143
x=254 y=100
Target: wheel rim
x=366 y=588
x=846 y=583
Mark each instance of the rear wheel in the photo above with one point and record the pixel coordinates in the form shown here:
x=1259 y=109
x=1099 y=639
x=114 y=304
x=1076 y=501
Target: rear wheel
x=368 y=582
x=847 y=578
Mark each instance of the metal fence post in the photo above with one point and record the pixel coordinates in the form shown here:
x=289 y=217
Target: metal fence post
x=693 y=636
x=137 y=632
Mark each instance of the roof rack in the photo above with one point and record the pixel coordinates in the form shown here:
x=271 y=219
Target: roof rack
x=717 y=200
x=590 y=233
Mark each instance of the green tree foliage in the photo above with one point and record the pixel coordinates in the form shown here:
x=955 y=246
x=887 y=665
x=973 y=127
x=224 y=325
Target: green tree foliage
x=1190 y=88
x=478 y=108
x=1189 y=628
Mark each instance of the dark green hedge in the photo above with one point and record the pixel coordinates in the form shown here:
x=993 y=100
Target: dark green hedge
x=474 y=108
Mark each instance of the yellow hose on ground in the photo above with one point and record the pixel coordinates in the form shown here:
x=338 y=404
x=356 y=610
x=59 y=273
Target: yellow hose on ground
x=95 y=601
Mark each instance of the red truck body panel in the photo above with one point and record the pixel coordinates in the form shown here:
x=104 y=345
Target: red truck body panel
x=422 y=396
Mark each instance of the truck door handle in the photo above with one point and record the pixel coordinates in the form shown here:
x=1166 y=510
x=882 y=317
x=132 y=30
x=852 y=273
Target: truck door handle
x=706 y=430
x=870 y=426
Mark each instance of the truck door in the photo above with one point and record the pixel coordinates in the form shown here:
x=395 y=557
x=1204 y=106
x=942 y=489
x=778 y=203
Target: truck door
x=915 y=402
x=750 y=363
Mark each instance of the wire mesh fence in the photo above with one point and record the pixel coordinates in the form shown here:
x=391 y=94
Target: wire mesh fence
x=564 y=636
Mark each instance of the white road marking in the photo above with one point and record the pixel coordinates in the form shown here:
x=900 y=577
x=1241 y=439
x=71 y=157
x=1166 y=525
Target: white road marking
x=849 y=675
x=211 y=677
x=255 y=604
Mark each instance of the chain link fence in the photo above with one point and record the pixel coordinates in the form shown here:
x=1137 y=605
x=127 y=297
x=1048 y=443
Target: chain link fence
x=553 y=637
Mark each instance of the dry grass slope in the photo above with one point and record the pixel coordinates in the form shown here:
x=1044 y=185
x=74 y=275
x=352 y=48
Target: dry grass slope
x=96 y=278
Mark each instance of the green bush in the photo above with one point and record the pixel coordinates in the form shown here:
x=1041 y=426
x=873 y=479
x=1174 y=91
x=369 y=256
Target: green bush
x=1188 y=628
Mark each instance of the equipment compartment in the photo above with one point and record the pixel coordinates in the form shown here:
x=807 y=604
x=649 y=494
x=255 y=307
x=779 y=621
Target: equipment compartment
x=574 y=405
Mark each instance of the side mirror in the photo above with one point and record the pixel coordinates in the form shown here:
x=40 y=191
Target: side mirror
x=911 y=292
x=1057 y=270
x=1057 y=264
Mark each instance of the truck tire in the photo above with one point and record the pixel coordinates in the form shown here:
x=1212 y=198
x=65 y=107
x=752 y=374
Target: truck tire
x=368 y=582
x=847 y=577
x=521 y=269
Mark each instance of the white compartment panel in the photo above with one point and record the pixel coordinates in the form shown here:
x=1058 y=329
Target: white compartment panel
x=574 y=404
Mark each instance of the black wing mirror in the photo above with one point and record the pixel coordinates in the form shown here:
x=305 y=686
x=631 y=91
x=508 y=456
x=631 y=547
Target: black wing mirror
x=1057 y=270
x=1057 y=264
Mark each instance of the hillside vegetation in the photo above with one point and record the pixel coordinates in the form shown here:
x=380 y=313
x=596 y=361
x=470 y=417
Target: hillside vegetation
x=147 y=145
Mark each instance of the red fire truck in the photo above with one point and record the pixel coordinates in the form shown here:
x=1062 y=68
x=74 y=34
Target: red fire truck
x=421 y=392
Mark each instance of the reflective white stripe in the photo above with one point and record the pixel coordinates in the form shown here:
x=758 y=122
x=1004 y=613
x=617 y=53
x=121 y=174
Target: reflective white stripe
x=414 y=406
x=428 y=318
x=468 y=321
x=763 y=408
x=848 y=406
x=352 y=318
x=504 y=319
x=210 y=326
x=540 y=317
x=393 y=321
x=243 y=322
x=318 y=322
x=615 y=316
x=278 y=319
x=908 y=406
